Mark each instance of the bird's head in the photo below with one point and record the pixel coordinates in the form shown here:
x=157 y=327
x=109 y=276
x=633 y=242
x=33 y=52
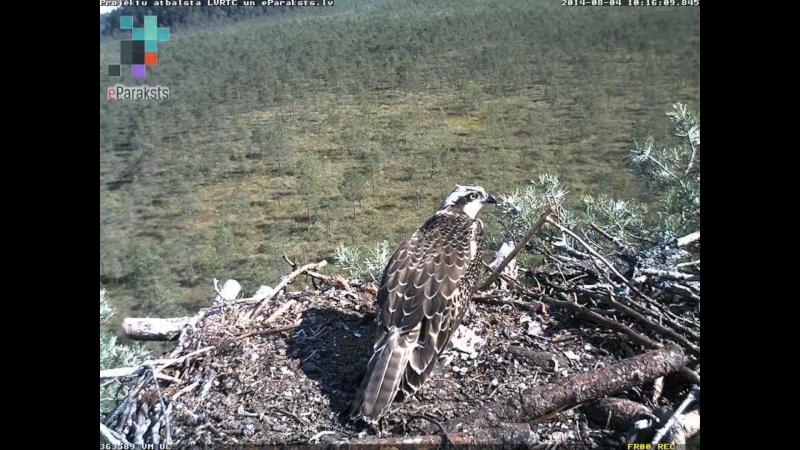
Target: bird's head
x=469 y=199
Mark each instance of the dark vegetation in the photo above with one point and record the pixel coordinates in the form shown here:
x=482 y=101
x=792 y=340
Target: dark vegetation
x=300 y=130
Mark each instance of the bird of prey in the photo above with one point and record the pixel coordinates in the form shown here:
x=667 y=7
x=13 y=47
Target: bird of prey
x=421 y=301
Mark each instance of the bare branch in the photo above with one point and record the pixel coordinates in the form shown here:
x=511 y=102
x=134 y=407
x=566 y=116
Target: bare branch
x=689 y=399
x=285 y=282
x=520 y=245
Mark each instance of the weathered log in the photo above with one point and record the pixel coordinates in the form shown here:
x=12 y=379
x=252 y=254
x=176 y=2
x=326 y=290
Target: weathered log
x=154 y=328
x=169 y=329
x=688 y=239
x=540 y=401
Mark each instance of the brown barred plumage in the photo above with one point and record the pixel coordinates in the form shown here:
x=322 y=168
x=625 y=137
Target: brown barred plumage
x=423 y=296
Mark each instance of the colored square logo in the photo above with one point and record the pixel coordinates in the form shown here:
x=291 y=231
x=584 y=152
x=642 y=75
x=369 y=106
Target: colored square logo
x=125 y=22
x=137 y=70
x=141 y=49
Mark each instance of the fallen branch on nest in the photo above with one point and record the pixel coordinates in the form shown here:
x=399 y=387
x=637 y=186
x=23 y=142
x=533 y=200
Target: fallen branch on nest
x=540 y=401
x=544 y=217
x=285 y=282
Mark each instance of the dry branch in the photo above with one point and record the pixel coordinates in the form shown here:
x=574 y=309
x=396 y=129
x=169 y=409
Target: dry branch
x=333 y=280
x=588 y=248
x=689 y=399
x=282 y=309
x=569 y=392
x=518 y=248
x=285 y=282
x=120 y=372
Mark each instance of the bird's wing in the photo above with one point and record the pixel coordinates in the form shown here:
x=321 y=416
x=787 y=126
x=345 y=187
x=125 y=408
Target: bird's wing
x=423 y=278
x=419 y=300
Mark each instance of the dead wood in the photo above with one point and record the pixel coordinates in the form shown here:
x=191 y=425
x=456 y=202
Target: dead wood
x=285 y=282
x=518 y=248
x=560 y=395
x=153 y=329
x=688 y=239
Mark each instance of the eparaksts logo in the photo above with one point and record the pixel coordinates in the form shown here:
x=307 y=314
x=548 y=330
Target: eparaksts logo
x=120 y=92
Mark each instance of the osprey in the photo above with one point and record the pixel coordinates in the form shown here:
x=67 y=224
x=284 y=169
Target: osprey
x=422 y=299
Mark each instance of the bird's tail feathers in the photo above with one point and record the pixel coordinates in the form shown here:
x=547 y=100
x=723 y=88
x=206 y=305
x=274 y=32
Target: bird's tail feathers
x=382 y=379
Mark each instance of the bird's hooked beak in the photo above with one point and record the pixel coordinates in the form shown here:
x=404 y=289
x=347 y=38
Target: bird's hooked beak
x=491 y=200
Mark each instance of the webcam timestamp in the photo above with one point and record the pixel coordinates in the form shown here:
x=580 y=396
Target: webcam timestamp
x=134 y=447
x=630 y=2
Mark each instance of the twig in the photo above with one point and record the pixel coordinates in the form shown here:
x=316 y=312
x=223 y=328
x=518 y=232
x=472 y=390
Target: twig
x=589 y=314
x=682 y=290
x=587 y=247
x=666 y=274
x=617 y=241
x=170 y=361
x=112 y=436
x=265 y=332
x=585 y=312
x=315 y=438
x=185 y=390
x=294 y=416
x=241 y=412
x=285 y=282
x=120 y=372
x=282 y=309
x=518 y=248
x=686 y=264
x=660 y=329
x=689 y=399
x=124 y=406
x=604 y=260
x=337 y=281
x=163 y=406
x=291 y=263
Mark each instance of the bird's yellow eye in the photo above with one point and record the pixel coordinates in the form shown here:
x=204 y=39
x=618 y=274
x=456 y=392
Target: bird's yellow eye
x=472 y=196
